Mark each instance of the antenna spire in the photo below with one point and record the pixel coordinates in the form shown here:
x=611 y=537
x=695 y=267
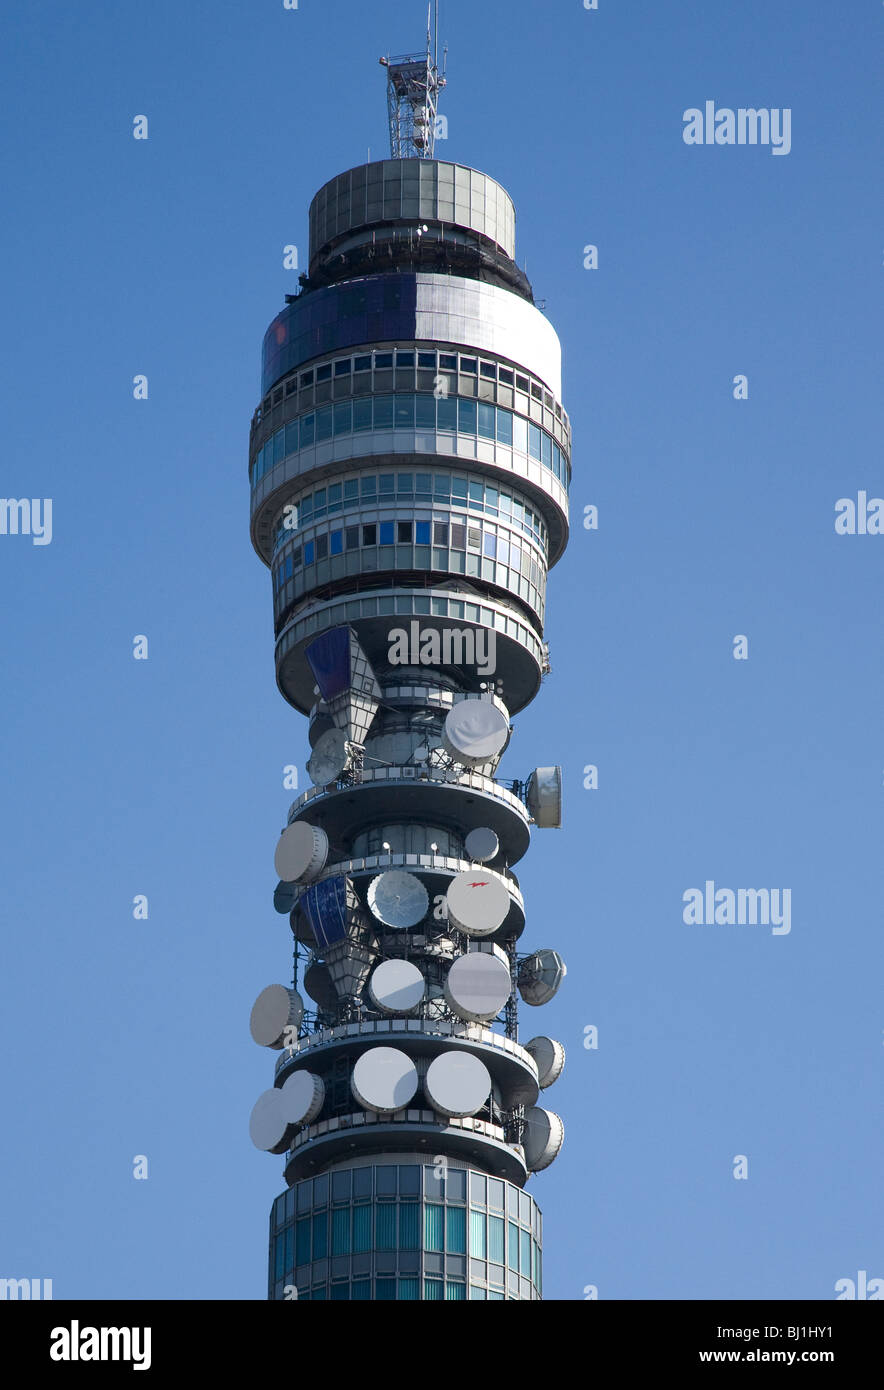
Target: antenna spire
x=413 y=86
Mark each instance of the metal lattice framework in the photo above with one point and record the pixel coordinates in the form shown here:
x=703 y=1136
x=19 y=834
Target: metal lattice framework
x=413 y=87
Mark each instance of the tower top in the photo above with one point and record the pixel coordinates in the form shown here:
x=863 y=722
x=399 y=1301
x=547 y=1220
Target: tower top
x=413 y=86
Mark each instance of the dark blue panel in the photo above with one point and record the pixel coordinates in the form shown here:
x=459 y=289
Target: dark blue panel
x=329 y=657
x=340 y=316
x=326 y=907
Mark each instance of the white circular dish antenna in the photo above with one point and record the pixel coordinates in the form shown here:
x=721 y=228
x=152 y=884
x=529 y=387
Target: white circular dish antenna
x=301 y=852
x=384 y=1079
x=268 y=1126
x=550 y=1058
x=475 y=731
x=396 y=987
x=276 y=1009
x=398 y=899
x=544 y=797
x=329 y=758
x=540 y=976
x=542 y=1137
x=482 y=845
x=477 y=902
x=477 y=986
x=302 y=1097
x=457 y=1084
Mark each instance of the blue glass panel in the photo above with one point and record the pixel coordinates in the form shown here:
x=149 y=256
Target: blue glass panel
x=446 y=416
x=362 y=414
x=546 y=450
x=361 y=1229
x=383 y=412
x=525 y=1253
x=385 y=1289
x=489 y=545
x=343 y=417
x=302 y=1243
x=337 y=542
x=409 y=1288
x=513 y=1260
x=279 y=1265
x=291 y=437
x=405 y=482
x=422 y=532
x=534 y=441
x=433 y=1228
x=386 y=533
x=409 y=1226
x=496 y=1238
x=477 y=1234
x=339 y=1292
x=369 y=486
x=466 y=416
x=504 y=426
x=361 y=1288
x=425 y=413
x=324 y=420
x=385 y=1226
x=456 y=1230
x=309 y=552
x=320 y=1235
x=279 y=446
x=341 y=1231
x=434 y=1289
x=404 y=416
x=308 y=423
x=486 y=420
x=453 y=1289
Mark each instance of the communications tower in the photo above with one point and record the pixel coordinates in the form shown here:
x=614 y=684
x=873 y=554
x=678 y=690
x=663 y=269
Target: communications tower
x=409 y=465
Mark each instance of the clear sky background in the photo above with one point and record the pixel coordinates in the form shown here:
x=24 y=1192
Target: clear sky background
x=164 y=777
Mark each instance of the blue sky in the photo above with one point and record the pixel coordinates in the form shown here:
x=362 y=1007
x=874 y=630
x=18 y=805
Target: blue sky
x=164 y=777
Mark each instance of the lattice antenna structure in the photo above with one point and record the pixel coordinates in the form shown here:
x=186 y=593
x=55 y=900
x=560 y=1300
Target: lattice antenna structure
x=413 y=86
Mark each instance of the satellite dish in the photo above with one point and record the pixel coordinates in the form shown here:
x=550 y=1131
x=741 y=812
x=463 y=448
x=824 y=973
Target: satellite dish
x=398 y=899
x=475 y=731
x=274 y=1011
x=301 y=852
x=284 y=897
x=540 y=976
x=320 y=722
x=544 y=797
x=329 y=758
x=550 y=1058
x=482 y=845
x=396 y=987
x=384 y=1079
x=477 y=986
x=320 y=986
x=302 y=1096
x=477 y=902
x=421 y=753
x=542 y=1137
x=268 y=1126
x=457 y=1083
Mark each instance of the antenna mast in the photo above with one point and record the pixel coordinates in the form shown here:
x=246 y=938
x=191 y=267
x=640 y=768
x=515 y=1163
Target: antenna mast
x=413 y=87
